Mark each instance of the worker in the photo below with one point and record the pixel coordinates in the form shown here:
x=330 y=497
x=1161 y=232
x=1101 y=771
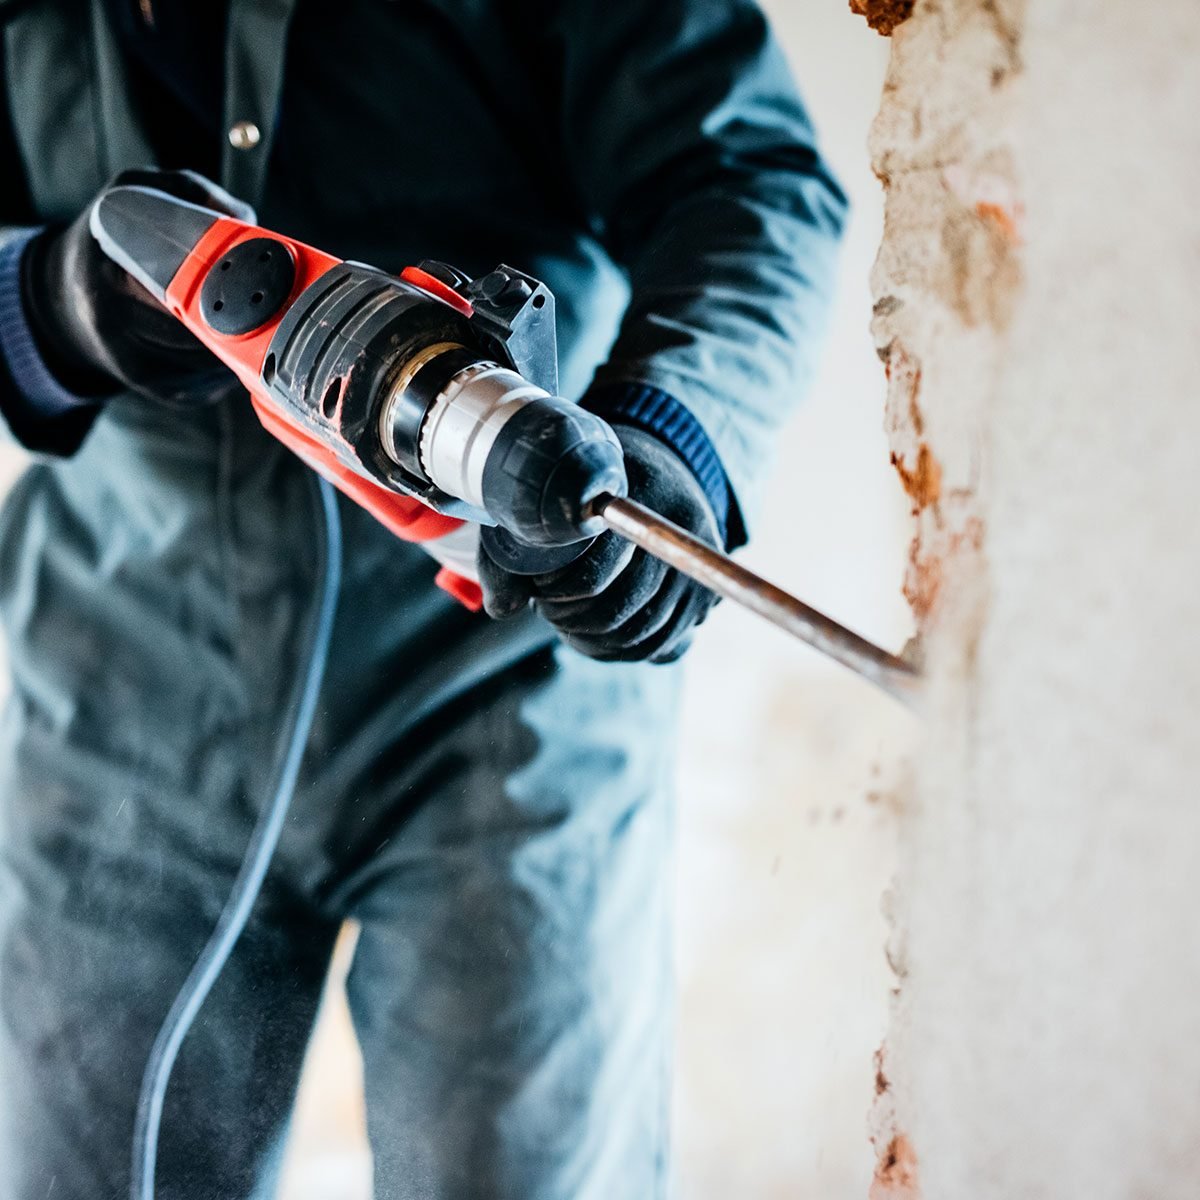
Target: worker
x=490 y=800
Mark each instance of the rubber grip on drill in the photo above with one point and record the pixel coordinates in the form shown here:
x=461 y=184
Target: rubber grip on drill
x=550 y=460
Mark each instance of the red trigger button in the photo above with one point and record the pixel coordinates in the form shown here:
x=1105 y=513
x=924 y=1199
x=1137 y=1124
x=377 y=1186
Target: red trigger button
x=436 y=288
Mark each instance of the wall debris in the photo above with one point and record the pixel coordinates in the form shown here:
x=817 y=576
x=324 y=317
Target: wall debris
x=949 y=271
x=883 y=15
x=947 y=283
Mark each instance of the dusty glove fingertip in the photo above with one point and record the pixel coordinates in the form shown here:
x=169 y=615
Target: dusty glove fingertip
x=502 y=607
x=504 y=594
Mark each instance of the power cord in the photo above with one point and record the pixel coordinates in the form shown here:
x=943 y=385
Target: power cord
x=250 y=876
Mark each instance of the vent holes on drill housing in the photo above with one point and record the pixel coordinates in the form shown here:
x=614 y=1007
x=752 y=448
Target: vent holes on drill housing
x=329 y=402
x=268 y=371
x=248 y=287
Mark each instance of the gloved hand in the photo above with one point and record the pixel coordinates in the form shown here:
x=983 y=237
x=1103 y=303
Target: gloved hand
x=616 y=603
x=98 y=329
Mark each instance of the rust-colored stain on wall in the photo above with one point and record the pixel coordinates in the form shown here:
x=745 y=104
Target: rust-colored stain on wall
x=882 y=1082
x=896 y=1161
x=883 y=15
x=927 y=569
x=981 y=269
x=1000 y=216
x=923 y=481
x=896 y=1172
x=979 y=273
x=922 y=581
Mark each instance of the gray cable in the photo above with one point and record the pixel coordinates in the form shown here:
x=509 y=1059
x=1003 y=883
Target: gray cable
x=250 y=877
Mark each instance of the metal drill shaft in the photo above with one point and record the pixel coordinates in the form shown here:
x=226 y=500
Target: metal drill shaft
x=720 y=574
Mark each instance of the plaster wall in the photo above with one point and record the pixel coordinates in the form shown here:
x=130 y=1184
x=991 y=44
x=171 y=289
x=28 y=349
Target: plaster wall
x=1036 y=305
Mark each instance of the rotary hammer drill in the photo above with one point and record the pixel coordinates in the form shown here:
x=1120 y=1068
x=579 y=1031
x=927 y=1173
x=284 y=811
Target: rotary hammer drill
x=430 y=399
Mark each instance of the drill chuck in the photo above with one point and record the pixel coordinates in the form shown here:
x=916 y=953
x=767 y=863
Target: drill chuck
x=533 y=462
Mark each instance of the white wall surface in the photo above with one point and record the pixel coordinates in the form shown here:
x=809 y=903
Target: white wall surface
x=1046 y=1044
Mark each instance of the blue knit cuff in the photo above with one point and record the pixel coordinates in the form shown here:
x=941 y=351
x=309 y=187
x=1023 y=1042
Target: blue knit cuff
x=661 y=414
x=41 y=396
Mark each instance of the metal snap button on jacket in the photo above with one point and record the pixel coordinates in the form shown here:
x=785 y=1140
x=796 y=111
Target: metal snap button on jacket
x=244 y=135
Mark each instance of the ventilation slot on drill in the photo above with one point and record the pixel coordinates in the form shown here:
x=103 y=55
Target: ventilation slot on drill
x=291 y=357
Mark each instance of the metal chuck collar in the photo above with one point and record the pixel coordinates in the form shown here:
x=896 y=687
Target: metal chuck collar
x=480 y=425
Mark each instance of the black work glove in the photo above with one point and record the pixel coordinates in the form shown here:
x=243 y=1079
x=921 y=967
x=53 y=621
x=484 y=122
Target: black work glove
x=98 y=329
x=616 y=603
